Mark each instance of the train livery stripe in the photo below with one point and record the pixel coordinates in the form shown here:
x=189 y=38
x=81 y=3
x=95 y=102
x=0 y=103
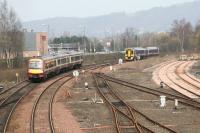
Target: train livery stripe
x=35 y=60
x=129 y=53
x=35 y=71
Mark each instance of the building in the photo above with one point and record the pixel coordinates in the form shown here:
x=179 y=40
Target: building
x=36 y=44
x=65 y=46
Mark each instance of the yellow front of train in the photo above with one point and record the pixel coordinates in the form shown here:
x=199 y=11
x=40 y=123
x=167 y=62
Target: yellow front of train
x=35 y=69
x=129 y=54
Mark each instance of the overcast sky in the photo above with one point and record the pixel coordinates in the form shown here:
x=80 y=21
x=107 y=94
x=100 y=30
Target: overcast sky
x=39 y=9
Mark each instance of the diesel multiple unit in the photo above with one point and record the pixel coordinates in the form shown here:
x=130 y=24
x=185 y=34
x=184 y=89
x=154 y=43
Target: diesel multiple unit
x=44 y=66
x=138 y=53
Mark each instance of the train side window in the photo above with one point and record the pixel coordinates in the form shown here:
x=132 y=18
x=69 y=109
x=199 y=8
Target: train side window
x=67 y=60
x=50 y=64
x=46 y=65
x=76 y=58
x=63 y=61
x=59 y=61
x=54 y=63
x=72 y=59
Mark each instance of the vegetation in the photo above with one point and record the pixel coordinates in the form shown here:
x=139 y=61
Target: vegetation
x=182 y=37
x=92 y=45
x=66 y=39
x=11 y=36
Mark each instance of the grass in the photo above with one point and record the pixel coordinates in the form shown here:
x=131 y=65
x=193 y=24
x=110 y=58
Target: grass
x=10 y=74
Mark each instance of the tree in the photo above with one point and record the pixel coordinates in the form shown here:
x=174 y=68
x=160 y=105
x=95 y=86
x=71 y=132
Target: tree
x=129 y=37
x=11 y=37
x=197 y=34
x=182 y=30
x=83 y=41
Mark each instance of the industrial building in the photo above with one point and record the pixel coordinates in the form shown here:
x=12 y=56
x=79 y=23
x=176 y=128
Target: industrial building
x=36 y=44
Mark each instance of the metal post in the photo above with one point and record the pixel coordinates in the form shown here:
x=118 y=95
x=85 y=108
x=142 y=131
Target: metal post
x=126 y=42
x=182 y=49
x=90 y=48
x=114 y=44
x=84 y=40
x=94 y=48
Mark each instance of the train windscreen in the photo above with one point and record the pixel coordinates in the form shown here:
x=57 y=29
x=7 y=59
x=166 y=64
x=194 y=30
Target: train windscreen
x=35 y=64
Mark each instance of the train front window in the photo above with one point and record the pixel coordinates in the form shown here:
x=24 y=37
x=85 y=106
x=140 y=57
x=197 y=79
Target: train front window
x=35 y=64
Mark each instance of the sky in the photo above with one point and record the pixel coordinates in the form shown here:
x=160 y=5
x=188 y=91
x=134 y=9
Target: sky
x=28 y=10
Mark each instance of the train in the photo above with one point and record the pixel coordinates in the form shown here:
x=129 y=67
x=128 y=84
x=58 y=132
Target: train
x=138 y=53
x=43 y=67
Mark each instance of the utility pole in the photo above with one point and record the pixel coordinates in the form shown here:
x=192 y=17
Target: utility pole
x=126 y=42
x=83 y=37
x=85 y=50
x=137 y=40
x=90 y=48
x=182 y=49
x=114 y=44
x=94 y=47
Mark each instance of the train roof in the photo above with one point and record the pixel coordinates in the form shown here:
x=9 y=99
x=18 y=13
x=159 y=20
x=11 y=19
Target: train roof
x=150 y=48
x=59 y=54
x=136 y=48
x=139 y=48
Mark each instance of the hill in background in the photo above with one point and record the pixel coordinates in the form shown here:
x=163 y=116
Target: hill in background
x=155 y=19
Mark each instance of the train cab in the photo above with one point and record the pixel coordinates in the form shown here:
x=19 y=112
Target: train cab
x=35 y=69
x=129 y=54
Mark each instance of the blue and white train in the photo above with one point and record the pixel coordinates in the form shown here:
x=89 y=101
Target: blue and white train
x=138 y=53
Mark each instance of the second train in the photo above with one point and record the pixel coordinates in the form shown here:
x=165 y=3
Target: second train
x=138 y=53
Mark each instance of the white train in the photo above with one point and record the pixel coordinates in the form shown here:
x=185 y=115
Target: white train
x=44 y=66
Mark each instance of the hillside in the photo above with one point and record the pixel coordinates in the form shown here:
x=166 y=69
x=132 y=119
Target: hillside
x=155 y=19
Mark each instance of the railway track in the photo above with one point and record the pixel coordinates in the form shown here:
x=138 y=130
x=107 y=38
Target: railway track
x=155 y=126
x=176 y=79
x=169 y=81
x=128 y=118
x=46 y=97
x=5 y=94
x=190 y=75
x=11 y=99
x=156 y=76
x=184 y=75
x=44 y=101
x=182 y=99
x=43 y=120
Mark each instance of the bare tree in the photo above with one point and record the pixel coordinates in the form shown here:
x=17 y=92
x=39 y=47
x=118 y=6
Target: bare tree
x=197 y=34
x=11 y=37
x=182 y=30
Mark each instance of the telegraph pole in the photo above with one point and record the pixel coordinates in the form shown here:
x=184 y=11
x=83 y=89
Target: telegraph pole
x=182 y=49
x=84 y=39
x=137 y=41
